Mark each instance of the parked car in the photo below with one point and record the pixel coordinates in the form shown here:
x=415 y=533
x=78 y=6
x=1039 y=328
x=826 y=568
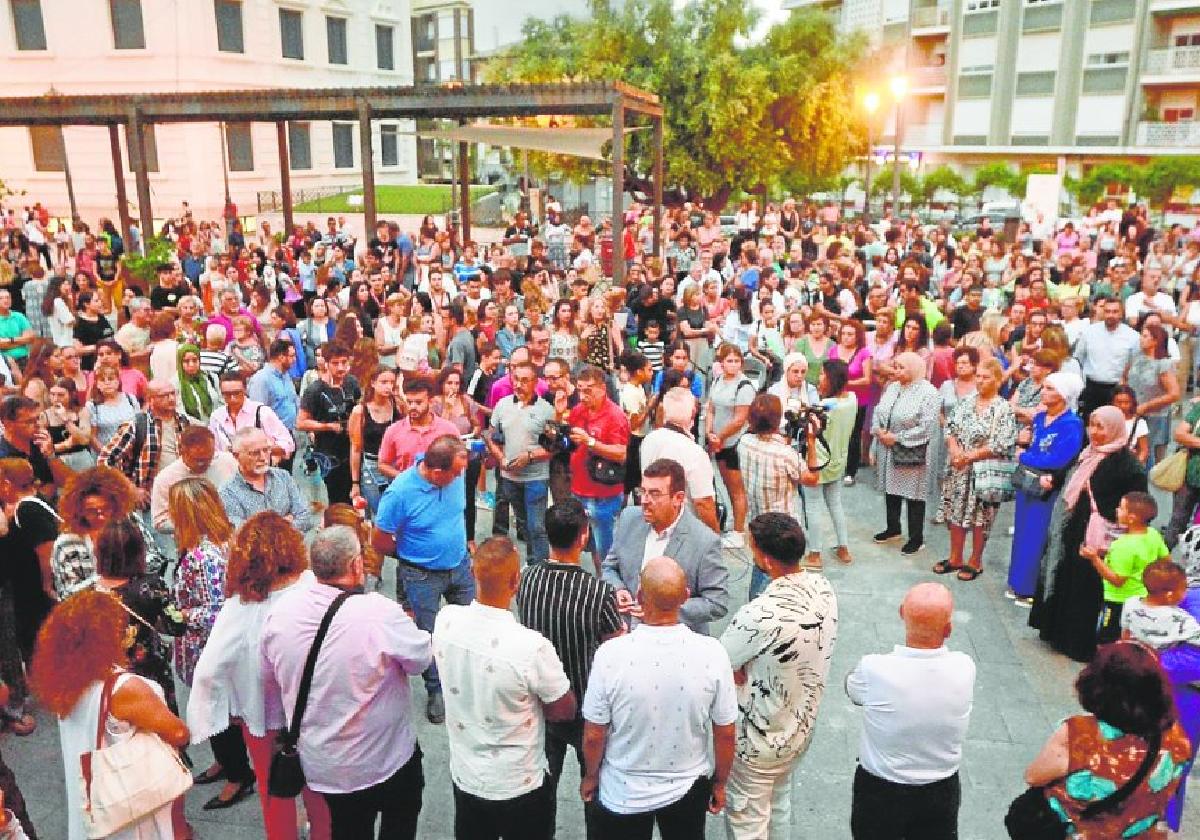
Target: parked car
x=998 y=218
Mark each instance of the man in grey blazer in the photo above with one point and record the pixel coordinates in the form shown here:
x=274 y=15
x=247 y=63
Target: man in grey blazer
x=663 y=526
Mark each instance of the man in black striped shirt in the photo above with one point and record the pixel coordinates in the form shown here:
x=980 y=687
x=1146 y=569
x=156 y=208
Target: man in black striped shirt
x=576 y=611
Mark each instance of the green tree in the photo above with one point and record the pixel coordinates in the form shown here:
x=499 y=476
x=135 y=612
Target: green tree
x=993 y=175
x=1092 y=186
x=881 y=183
x=737 y=117
x=942 y=178
x=1159 y=178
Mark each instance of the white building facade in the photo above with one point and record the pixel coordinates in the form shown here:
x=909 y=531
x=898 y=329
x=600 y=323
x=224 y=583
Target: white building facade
x=119 y=47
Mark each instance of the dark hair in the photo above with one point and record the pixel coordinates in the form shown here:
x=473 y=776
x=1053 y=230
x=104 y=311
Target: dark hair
x=279 y=348
x=922 y=336
x=837 y=374
x=457 y=314
x=943 y=334
x=1124 y=686
x=970 y=352
x=779 y=536
x=1141 y=505
x=441 y=453
x=121 y=549
x=1125 y=391
x=233 y=376
x=116 y=348
x=335 y=350
x=591 y=373
x=765 y=414
x=1160 y=339
x=666 y=468
x=653 y=323
x=195 y=436
x=565 y=521
x=1163 y=576
x=419 y=385
x=13 y=405
x=632 y=362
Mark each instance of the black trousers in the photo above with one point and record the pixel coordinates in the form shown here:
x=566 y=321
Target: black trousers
x=1183 y=505
x=338 y=481
x=916 y=516
x=525 y=817
x=397 y=799
x=559 y=737
x=1108 y=626
x=883 y=810
x=229 y=749
x=854 y=452
x=474 y=467
x=683 y=819
x=1094 y=395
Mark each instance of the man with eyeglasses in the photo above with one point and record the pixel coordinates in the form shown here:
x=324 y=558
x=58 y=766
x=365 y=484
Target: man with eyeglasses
x=239 y=413
x=25 y=438
x=563 y=395
x=600 y=434
x=147 y=443
x=258 y=486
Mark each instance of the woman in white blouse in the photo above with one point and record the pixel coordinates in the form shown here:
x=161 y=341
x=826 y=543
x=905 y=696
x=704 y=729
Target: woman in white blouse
x=267 y=559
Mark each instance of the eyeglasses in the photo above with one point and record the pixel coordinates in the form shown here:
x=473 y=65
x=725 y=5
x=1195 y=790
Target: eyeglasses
x=238 y=393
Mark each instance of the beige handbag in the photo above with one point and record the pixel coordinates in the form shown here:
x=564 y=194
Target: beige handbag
x=128 y=780
x=1170 y=473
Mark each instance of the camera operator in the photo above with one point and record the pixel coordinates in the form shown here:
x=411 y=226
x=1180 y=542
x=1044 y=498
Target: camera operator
x=518 y=423
x=772 y=468
x=841 y=407
x=563 y=396
x=600 y=433
x=325 y=410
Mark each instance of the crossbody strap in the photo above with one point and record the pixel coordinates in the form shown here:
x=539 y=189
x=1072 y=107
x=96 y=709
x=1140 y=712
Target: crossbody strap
x=1153 y=745
x=310 y=665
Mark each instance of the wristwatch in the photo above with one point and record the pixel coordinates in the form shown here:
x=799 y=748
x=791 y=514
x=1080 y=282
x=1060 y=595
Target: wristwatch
x=591 y=441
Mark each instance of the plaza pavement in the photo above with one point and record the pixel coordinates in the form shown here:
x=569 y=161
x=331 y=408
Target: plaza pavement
x=1023 y=689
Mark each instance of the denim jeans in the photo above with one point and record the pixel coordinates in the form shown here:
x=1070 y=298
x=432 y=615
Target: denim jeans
x=372 y=483
x=602 y=517
x=528 y=500
x=422 y=591
x=758 y=582
x=831 y=494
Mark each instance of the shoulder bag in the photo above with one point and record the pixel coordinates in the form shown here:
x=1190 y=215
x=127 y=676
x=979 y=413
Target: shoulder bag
x=128 y=780
x=993 y=477
x=1030 y=816
x=285 y=779
x=904 y=455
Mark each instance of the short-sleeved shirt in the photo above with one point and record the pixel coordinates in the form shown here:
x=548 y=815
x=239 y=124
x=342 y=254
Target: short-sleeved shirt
x=403 y=442
x=327 y=404
x=609 y=425
x=461 y=351
x=726 y=395
x=1159 y=626
x=1128 y=556
x=420 y=515
x=15 y=325
x=496 y=675
x=521 y=425
x=659 y=690
x=633 y=401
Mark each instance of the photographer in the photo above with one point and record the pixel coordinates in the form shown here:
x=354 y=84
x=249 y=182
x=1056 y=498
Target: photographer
x=563 y=396
x=518 y=422
x=600 y=433
x=324 y=411
x=840 y=415
x=772 y=469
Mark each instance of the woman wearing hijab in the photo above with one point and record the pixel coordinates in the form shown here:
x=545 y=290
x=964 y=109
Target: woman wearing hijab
x=1069 y=593
x=198 y=391
x=905 y=420
x=1053 y=440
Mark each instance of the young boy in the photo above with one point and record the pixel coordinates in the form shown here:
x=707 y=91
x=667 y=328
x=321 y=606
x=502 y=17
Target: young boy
x=652 y=346
x=635 y=373
x=1123 y=565
x=1157 y=619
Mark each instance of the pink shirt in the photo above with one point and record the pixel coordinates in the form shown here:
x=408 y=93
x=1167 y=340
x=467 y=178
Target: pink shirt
x=403 y=442
x=503 y=387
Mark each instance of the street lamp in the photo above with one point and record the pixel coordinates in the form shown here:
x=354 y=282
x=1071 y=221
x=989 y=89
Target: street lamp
x=870 y=105
x=899 y=86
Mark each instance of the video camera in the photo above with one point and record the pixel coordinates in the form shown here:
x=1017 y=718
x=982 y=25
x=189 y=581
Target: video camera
x=555 y=437
x=800 y=420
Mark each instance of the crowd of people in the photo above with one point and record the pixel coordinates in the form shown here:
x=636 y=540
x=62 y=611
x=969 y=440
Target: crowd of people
x=203 y=478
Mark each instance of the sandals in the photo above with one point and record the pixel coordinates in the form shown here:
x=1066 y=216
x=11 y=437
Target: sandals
x=968 y=573
x=945 y=568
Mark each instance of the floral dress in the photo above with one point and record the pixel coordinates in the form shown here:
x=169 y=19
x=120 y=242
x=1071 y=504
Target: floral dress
x=152 y=612
x=996 y=429
x=199 y=593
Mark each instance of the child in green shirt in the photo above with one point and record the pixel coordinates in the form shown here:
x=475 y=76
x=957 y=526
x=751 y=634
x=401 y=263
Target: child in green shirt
x=1121 y=567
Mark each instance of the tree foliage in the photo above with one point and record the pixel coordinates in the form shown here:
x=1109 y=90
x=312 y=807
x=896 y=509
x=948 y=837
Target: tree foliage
x=941 y=178
x=881 y=182
x=737 y=116
x=993 y=175
x=1088 y=189
x=1159 y=178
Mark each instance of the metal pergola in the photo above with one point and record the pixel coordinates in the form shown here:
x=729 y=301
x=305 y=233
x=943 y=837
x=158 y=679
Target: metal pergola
x=282 y=105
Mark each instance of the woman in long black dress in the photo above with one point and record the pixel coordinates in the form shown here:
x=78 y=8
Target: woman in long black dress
x=1069 y=594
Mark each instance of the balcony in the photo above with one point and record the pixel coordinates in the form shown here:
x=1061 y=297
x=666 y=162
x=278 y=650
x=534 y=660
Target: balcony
x=1172 y=66
x=1168 y=135
x=1173 y=7
x=922 y=135
x=929 y=79
x=930 y=20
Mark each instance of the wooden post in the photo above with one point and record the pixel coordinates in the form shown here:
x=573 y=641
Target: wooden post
x=70 y=181
x=137 y=155
x=285 y=175
x=658 y=185
x=464 y=187
x=114 y=145
x=618 y=190
x=368 y=167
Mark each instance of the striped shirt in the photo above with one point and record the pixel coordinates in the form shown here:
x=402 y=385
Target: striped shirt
x=771 y=472
x=573 y=609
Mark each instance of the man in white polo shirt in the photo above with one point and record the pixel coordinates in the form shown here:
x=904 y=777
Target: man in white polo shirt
x=652 y=699
x=501 y=682
x=673 y=440
x=916 y=706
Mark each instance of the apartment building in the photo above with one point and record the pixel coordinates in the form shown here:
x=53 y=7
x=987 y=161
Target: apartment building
x=1072 y=82
x=153 y=46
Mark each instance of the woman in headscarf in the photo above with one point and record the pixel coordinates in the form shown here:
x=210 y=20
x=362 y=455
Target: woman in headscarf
x=198 y=391
x=1053 y=440
x=905 y=420
x=1068 y=598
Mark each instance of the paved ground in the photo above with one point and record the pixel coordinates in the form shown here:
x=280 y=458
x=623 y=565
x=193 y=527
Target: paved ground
x=1023 y=690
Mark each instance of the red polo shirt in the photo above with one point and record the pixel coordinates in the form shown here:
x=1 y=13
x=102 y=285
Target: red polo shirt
x=607 y=425
x=403 y=442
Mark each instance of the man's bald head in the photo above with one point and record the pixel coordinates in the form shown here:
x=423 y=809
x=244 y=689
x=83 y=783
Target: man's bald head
x=664 y=586
x=926 y=611
x=497 y=569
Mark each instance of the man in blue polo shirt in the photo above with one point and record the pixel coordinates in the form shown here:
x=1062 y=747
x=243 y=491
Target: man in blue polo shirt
x=272 y=385
x=411 y=525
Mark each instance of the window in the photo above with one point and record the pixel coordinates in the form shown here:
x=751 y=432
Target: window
x=335 y=34
x=343 y=146
x=1178 y=114
x=291 y=33
x=1035 y=84
x=1112 y=11
x=446 y=69
x=299 y=145
x=1042 y=17
x=977 y=25
x=385 y=51
x=981 y=6
x=426 y=70
x=1104 y=79
x=239 y=145
x=229 y=26
x=977 y=86
x=149 y=147
x=128 y=32
x=389 y=146
x=1187 y=39
x=49 y=150
x=1106 y=59
x=27 y=21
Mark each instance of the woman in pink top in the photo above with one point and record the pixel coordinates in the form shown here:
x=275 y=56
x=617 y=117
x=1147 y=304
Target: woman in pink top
x=851 y=348
x=1067 y=239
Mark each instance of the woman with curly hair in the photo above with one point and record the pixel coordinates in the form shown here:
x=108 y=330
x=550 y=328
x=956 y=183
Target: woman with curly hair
x=90 y=500
x=267 y=560
x=80 y=648
x=203 y=533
